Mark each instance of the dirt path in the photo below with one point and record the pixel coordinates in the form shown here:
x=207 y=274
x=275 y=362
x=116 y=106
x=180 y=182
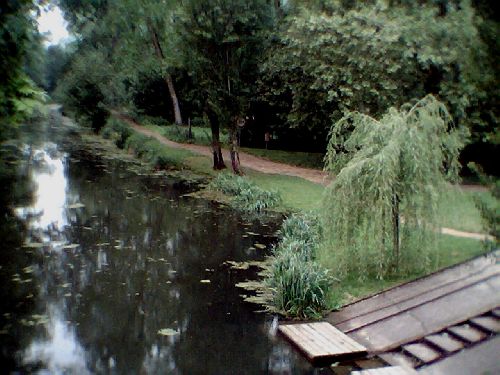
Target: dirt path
x=247 y=160
x=271 y=167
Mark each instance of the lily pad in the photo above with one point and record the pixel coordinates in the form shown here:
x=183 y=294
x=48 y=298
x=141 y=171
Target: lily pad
x=168 y=332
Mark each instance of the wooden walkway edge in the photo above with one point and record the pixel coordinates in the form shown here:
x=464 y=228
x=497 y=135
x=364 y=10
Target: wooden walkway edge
x=322 y=343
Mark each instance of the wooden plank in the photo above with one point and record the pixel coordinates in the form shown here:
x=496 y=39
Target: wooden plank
x=422 y=298
x=330 y=330
x=445 y=342
x=422 y=352
x=321 y=341
x=479 y=359
x=392 y=370
x=433 y=317
x=309 y=347
x=488 y=323
x=414 y=288
x=467 y=333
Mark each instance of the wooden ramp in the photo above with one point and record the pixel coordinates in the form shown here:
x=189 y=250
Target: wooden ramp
x=321 y=342
x=411 y=311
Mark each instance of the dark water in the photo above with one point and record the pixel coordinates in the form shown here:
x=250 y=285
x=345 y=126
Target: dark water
x=97 y=260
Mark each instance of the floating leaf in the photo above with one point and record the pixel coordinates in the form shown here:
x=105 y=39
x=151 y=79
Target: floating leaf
x=168 y=332
x=259 y=246
x=76 y=205
x=71 y=246
x=33 y=245
x=28 y=269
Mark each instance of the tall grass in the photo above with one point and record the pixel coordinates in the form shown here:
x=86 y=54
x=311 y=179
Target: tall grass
x=298 y=283
x=246 y=195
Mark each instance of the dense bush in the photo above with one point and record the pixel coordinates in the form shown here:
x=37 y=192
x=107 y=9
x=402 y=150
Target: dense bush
x=247 y=195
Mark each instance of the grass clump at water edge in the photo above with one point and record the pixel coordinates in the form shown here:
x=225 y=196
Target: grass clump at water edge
x=245 y=194
x=298 y=284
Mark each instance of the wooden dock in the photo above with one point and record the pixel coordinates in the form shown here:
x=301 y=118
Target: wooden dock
x=445 y=323
x=392 y=370
x=322 y=343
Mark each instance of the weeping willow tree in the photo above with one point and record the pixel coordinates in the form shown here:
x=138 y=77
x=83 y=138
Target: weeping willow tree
x=380 y=211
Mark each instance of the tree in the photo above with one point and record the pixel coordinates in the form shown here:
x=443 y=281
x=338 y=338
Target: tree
x=333 y=57
x=222 y=44
x=18 y=93
x=380 y=211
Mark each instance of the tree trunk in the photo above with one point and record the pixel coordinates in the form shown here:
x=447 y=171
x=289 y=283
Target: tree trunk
x=216 y=149
x=395 y=229
x=278 y=8
x=235 y=156
x=173 y=97
x=167 y=77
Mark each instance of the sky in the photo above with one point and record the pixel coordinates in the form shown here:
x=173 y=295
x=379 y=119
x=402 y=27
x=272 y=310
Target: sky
x=52 y=24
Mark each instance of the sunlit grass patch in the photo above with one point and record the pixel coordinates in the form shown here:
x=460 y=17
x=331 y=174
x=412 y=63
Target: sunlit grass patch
x=297 y=194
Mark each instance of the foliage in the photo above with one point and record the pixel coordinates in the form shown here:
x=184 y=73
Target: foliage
x=56 y=63
x=117 y=130
x=86 y=89
x=222 y=43
x=380 y=213
x=246 y=195
x=18 y=94
x=299 y=284
x=368 y=56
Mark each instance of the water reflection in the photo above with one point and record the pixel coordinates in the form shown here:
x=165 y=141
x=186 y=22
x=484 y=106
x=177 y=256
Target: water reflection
x=116 y=258
x=48 y=209
x=58 y=349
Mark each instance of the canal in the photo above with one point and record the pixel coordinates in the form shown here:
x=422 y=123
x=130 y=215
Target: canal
x=106 y=269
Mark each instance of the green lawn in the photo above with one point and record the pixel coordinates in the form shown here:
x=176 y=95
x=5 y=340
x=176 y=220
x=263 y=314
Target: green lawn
x=297 y=194
x=458 y=211
x=452 y=250
x=300 y=159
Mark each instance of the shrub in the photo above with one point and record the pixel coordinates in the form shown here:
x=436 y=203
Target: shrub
x=117 y=130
